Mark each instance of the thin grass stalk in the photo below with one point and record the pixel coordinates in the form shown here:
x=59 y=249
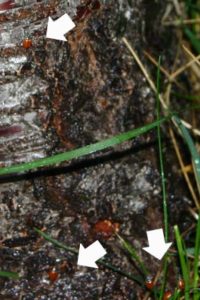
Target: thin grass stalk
x=136 y=279
x=183 y=262
x=55 y=242
x=165 y=269
x=133 y=254
x=196 y=260
x=162 y=173
x=153 y=87
x=164 y=196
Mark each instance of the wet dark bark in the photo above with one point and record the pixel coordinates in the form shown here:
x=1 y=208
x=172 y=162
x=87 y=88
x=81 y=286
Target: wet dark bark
x=57 y=96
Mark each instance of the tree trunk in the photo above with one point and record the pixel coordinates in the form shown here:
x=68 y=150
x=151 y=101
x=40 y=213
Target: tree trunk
x=57 y=96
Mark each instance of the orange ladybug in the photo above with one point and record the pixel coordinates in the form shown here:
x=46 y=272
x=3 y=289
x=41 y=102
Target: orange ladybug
x=53 y=275
x=27 y=43
x=167 y=295
x=105 y=228
x=181 y=284
x=149 y=283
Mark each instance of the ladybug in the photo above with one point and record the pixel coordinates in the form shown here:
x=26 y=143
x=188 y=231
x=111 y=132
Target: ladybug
x=181 y=284
x=167 y=295
x=53 y=275
x=27 y=43
x=105 y=228
x=149 y=283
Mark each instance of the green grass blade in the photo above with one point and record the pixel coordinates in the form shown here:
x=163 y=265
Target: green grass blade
x=196 y=169
x=137 y=279
x=176 y=294
x=58 y=158
x=11 y=275
x=188 y=4
x=195 y=7
x=183 y=262
x=186 y=97
x=193 y=151
x=162 y=174
x=134 y=256
x=196 y=260
x=55 y=242
x=133 y=253
x=192 y=38
x=164 y=271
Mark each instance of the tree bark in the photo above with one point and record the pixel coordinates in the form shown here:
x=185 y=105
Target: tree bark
x=56 y=96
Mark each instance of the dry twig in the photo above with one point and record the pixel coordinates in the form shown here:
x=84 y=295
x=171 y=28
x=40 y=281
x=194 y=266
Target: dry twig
x=153 y=87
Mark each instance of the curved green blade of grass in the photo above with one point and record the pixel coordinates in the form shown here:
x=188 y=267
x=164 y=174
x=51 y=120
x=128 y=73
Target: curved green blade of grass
x=100 y=262
x=58 y=158
x=192 y=38
x=11 y=275
x=126 y=245
x=183 y=262
x=193 y=151
x=162 y=172
x=55 y=242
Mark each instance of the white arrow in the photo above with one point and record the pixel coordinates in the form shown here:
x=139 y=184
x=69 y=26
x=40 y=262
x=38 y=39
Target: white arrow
x=56 y=29
x=157 y=246
x=88 y=256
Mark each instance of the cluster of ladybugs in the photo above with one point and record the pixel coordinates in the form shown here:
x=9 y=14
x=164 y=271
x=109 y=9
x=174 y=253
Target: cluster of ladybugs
x=149 y=283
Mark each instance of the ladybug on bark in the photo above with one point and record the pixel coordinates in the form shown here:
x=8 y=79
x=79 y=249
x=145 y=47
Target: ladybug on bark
x=27 y=43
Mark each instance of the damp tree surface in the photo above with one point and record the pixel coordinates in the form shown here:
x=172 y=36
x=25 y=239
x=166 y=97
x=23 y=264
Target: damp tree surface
x=57 y=96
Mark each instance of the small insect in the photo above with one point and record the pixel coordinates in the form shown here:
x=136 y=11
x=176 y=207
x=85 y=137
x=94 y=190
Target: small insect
x=149 y=283
x=167 y=295
x=181 y=284
x=106 y=228
x=53 y=275
x=27 y=43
